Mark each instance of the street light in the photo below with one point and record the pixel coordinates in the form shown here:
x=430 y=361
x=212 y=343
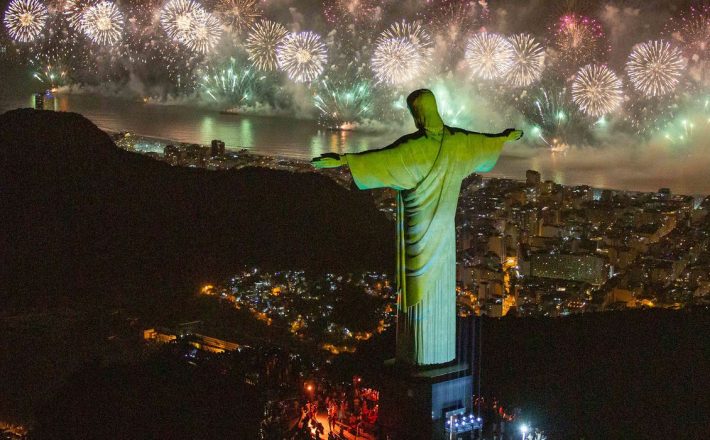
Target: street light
x=524 y=430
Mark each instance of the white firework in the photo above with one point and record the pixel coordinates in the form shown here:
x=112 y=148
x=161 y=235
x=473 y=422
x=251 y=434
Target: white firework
x=396 y=61
x=490 y=56
x=302 y=56
x=261 y=44
x=238 y=14
x=655 y=67
x=25 y=19
x=413 y=32
x=178 y=19
x=103 y=23
x=74 y=9
x=401 y=53
x=205 y=32
x=528 y=60
x=597 y=90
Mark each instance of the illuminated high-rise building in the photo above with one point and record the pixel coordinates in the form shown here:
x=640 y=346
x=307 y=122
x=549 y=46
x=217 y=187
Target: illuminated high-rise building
x=217 y=148
x=39 y=101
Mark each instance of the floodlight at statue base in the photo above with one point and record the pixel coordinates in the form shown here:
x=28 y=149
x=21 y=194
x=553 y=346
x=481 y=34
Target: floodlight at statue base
x=415 y=403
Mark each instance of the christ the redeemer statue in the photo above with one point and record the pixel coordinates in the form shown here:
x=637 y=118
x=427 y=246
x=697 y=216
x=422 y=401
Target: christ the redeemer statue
x=426 y=168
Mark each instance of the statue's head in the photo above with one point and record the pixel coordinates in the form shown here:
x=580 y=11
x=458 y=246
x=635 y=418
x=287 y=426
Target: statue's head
x=422 y=105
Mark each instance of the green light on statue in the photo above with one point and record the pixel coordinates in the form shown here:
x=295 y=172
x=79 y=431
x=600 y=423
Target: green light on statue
x=415 y=166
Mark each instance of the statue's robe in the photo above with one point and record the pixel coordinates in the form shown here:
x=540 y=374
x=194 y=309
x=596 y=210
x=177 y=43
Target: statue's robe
x=426 y=168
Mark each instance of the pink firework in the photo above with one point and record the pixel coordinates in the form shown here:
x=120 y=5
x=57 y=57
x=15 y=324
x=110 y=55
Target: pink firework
x=576 y=40
x=690 y=31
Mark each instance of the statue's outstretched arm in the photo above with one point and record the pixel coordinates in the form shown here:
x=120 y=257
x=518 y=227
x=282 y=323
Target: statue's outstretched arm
x=395 y=166
x=334 y=160
x=484 y=149
x=329 y=160
x=509 y=134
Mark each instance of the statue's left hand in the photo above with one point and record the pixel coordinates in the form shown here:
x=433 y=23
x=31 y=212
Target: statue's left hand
x=328 y=160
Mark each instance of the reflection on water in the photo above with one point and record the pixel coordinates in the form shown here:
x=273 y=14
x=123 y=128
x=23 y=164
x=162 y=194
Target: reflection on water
x=247 y=134
x=631 y=166
x=278 y=136
x=316 y=146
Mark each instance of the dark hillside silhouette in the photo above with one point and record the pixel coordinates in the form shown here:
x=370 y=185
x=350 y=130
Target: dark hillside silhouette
x=84 y=220
x=617 y=375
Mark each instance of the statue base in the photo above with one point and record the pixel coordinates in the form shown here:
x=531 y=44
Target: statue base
x=416 y=403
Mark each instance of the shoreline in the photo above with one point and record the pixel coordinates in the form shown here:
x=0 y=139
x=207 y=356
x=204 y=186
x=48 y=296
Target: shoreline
x=621 y=169
x=257 y=155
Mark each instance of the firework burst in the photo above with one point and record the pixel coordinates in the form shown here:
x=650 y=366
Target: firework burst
x=349 y=11
x=51 y=76
x=103 y=23
x=178 y=19
x=452 y=20
x=489 y=56
x=25 y=19
x=691 y=32
x=646 y=115
x=61 y=48
x=233 y=85
x=155 y=59
x=413 y=32
x=451 y=23
x=401 y=53
x=302 y=56
x=528 y=60
x=551 y=117
x=577 y=39
x=396 y=61
x=205 y=32
x=597 y=90
x=343 y=104
x=74 y=9
x=238 y=15
x=690 y=126
x=261 y=44
x=655 y=67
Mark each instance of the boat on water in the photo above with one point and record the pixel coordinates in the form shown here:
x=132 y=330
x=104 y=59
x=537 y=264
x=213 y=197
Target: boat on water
x=344 y=126
x=230 y=111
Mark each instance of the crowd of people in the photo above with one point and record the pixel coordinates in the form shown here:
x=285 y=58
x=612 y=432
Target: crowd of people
x=350 y=411
x=347 y=408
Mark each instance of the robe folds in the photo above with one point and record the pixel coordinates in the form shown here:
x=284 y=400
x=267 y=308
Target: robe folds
x=426 y=168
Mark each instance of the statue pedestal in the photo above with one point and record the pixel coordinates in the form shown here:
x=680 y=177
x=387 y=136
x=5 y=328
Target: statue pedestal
x=414 y=404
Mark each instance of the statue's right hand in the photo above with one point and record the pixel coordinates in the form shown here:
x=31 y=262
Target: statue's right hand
x=327 y=160
x=512 y=134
